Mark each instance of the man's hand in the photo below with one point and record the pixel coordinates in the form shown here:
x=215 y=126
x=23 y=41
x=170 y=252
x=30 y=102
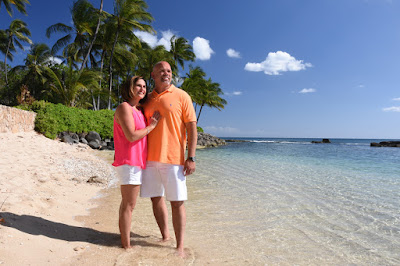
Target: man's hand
x=189 y=167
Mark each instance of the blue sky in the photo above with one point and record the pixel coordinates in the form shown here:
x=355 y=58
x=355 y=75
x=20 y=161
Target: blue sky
x=288 y=68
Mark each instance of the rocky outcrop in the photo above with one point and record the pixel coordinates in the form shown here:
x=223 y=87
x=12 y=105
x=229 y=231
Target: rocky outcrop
x=92 y=139
x=323 y=141
x=206 y=140
x=386 y=144
x=16 y=120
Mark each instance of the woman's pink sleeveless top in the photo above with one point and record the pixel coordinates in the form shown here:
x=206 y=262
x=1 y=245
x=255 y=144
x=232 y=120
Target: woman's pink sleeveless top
x=131 y=153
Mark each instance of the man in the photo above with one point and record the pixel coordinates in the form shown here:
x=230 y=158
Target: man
x=167 y=168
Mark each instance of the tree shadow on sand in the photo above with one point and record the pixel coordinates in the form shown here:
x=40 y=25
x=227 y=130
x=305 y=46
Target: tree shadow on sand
x=34 y=225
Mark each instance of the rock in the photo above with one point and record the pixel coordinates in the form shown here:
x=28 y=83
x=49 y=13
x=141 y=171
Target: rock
x=92 y=135
x=67 y=139
x=95 y=180
x=110 y=145
x=236 y=140
x=75 y=137
x=94 y=144
x=323 y=141
x=83 y=140
x=207 y=140
x=395 y=144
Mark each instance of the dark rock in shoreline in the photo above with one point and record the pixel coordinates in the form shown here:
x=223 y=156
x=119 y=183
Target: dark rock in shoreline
x=323 y=141
x=386 y=144
x=92 y=135
x=236 y=140
x=94 y=144
x=206 y=140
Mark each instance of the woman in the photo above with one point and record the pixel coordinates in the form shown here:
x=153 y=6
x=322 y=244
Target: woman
x=130 y=144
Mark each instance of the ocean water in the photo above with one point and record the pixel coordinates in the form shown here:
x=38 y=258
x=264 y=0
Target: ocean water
x=290 y=202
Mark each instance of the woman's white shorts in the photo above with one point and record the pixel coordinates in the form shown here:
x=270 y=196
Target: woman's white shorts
x=129 y=175
x=162 y=178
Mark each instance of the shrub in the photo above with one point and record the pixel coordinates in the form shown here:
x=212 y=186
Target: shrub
x=51 y=119
x=199 y=129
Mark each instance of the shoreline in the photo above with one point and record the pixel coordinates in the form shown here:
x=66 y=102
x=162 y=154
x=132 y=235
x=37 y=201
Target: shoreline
x=51 y=215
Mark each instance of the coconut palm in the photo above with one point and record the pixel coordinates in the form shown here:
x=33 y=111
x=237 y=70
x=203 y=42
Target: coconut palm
x=211 y=97
x=36 y=65
x=203 y=92
x=129 y=15
x=14 y=35
x=72 y=87
x=83 y=17
x=149 y=57
x=94 y=37
x=181 y=51
x=19 y=4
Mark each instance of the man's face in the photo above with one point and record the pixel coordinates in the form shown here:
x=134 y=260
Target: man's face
x=162 y=74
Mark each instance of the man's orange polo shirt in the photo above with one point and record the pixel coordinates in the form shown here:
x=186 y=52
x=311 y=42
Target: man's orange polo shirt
x=167 y=142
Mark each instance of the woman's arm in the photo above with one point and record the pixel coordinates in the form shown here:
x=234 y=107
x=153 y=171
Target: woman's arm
x=124 y=117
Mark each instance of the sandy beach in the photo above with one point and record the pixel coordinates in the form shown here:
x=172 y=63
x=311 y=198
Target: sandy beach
x=51 y=215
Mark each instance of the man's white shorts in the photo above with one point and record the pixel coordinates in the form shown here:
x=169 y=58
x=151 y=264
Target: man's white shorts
x=129 y=175
x=162 y=178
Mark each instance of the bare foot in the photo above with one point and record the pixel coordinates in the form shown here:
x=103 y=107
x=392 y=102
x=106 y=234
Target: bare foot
x=181 y=253
x=163 y=240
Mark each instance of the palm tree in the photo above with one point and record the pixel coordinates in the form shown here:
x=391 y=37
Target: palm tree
x=203 y=92
x=14 y=34
x=128 y=15
x=181 y=51
x=83 y=17
x=211 y=97
x=37 y=64
x=20 y=5
x=72 y=86
x=94 y=37
x=148 y=58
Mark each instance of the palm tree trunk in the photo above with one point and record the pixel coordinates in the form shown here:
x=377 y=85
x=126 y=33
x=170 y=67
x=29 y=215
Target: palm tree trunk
x=103 y=54
x=201 y=108
x=110 y=69
x=5 y=60
x=94 y=37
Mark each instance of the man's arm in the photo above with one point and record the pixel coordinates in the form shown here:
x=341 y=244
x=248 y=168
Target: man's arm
x=190 y=166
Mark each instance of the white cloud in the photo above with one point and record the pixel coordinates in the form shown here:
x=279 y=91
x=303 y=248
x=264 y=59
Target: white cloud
x=361 y=86
x=310 y=90
x=153 y=40
x=202 y=49
x=235 y=93
x=396 y=99
x=392 y=109
x=232 y=53
x=220 y=130
x=148 y=38
x=278 y=62
x=55 y=60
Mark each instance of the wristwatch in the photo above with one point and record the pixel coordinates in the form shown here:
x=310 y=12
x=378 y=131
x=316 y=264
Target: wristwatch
x=193 y=159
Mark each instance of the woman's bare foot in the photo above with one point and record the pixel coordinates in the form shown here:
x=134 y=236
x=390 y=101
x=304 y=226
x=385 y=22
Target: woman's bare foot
x=181 y=253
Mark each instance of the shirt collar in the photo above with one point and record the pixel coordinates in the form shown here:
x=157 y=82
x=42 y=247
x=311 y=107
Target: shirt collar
x=170 y=89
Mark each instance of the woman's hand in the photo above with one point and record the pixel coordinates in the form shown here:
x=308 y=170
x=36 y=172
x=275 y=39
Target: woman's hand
x=154 y=119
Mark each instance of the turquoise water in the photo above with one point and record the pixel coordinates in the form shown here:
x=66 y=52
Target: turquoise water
x=287 y=201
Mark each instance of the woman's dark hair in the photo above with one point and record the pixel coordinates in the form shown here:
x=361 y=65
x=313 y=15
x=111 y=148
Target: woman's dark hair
x=127 y=87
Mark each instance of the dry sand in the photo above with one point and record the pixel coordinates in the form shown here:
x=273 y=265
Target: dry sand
x=51 y=215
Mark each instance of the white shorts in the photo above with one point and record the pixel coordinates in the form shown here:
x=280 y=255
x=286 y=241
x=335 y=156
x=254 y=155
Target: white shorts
x=162 y=178
x=129 y=175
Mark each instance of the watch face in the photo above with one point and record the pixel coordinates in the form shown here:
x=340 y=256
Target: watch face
x=193 y=159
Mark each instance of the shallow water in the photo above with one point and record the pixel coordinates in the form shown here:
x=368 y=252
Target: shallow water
x=291 y=202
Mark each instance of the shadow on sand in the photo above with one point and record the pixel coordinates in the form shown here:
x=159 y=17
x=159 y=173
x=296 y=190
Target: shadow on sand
x=34 y=225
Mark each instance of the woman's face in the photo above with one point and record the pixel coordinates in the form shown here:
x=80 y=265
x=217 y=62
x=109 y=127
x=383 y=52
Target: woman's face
x=139 y=89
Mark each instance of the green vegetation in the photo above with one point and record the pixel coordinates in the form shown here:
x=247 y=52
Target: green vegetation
x=52 y=119
x=90 y=60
